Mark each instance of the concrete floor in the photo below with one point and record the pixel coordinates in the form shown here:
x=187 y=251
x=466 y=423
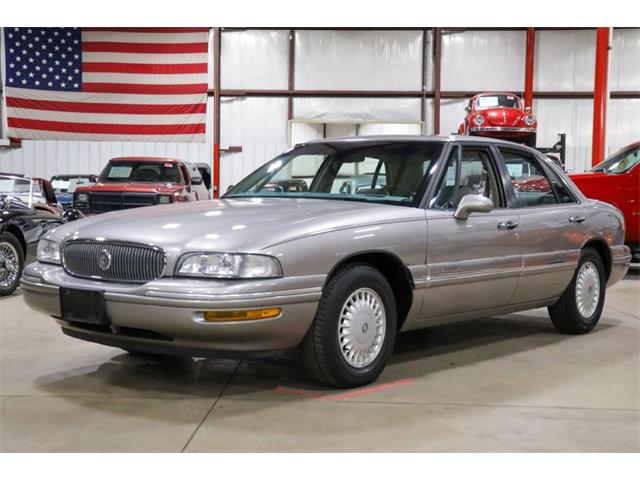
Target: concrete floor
x=497 y=384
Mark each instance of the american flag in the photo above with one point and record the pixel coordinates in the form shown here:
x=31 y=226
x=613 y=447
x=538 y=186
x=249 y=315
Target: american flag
x=138 y=84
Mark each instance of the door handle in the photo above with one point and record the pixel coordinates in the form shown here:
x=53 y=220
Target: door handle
x=577 y=219
x=507 y=225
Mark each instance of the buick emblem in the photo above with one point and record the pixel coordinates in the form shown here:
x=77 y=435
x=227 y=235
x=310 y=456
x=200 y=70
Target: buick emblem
x=104 y=259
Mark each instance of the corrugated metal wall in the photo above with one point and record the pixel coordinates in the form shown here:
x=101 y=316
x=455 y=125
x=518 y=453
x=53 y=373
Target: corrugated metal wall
x=383 y=60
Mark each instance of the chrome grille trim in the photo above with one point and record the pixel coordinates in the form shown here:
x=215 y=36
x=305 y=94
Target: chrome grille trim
x=130 y=262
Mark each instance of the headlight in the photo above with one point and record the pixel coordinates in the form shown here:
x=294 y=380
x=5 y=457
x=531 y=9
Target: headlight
x=49 y=251
x=478 y=120
x=229 y=265
x=82 y=198
x=163 y=199
x=529 y=120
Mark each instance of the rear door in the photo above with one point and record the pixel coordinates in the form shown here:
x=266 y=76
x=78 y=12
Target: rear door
x=551 y=225
x=473 y=264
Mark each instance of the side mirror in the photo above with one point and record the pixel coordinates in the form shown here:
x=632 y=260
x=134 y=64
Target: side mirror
x=473 y=204
x=467 y=109
x=72 y=214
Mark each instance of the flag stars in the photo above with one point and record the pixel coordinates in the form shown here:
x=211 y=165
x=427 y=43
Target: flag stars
x=48 y=58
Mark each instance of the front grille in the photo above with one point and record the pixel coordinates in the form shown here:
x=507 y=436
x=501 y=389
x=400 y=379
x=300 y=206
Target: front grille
x=100 y=202
x=114 y=261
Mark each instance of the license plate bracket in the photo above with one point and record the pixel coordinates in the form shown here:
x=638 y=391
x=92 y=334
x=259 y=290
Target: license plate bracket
x=85 y=306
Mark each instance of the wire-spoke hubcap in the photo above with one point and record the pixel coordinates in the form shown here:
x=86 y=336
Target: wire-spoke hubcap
x=361 y=328
x=587 y=289
x=8 y=264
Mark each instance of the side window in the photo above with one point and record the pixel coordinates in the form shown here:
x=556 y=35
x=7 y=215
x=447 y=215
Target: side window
x=532 y=186
x=563 y=193
x=473 y=174
x=185 y=174
x=367 y=176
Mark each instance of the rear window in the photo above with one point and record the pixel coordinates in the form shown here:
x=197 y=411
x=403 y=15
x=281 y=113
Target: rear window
x=141 y=171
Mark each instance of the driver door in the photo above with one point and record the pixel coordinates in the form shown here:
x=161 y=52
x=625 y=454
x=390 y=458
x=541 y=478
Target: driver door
x=473 y=264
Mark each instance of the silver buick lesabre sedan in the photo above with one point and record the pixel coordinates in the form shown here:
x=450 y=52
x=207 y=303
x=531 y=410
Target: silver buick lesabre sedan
x=448 y=228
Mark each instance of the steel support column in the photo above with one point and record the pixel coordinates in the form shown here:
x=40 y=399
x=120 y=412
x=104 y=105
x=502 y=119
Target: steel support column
x=528 y=67
x=291 y=82
x=217 y=37
x=600 y=95
x=437 y=68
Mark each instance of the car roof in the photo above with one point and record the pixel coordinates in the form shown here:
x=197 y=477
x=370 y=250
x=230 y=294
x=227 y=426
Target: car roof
x=413 y=138
x=147 y=159
x=495 y=93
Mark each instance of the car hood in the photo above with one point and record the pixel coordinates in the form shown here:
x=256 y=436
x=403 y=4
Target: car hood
x=131 y=187
x=503 y=116
x=239 y=225
x=587 y=176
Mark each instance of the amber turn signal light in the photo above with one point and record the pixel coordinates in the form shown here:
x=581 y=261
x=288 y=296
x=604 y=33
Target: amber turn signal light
x=239 y=315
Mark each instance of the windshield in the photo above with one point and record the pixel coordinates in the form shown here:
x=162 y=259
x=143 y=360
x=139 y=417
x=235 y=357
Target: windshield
x=493 y=101
x=382 y=172
x=23 y=189
x=621 y=161
x=141 y=171
x=68 y=184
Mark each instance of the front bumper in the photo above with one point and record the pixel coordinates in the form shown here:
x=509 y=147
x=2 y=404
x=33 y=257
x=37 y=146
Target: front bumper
x=515 y=131
x=620 y=261
x=166 y=315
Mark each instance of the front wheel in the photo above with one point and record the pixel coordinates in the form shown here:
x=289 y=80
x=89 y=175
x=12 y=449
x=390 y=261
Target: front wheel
x=354 y=329
x=11 y=263
x=579 y=308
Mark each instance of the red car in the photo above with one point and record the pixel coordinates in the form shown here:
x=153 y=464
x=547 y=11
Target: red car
x=616 y=181
x=499 y=115
x=130 y=182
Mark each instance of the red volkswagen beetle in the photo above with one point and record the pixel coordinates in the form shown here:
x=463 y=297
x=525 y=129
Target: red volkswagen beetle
x=499 y=115
x=616 y=180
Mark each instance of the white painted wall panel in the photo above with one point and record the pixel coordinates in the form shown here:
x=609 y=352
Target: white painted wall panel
x=625 y=60
x=451 y=114
x=564 y=60
x=357 y=109
x=259 y=125
x=357 y=60
x=573 y=117
x=45 y=158
x=254 y=59
x=623 y=123
x=483 y=60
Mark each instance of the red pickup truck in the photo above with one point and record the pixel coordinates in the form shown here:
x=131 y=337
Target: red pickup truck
x=617 y=181
x=129 y=182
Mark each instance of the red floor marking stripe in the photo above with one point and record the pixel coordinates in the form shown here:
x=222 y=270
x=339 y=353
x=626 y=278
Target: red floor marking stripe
x=365 y=391
x=343 y=396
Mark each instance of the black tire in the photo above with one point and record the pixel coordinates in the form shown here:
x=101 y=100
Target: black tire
x=321 y=351
x=9 y=242
x=565 y=314
x=531 y=140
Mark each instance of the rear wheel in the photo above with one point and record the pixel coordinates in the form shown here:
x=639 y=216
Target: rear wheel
x=11 y=263
x=579 y=309
x=354 y=329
